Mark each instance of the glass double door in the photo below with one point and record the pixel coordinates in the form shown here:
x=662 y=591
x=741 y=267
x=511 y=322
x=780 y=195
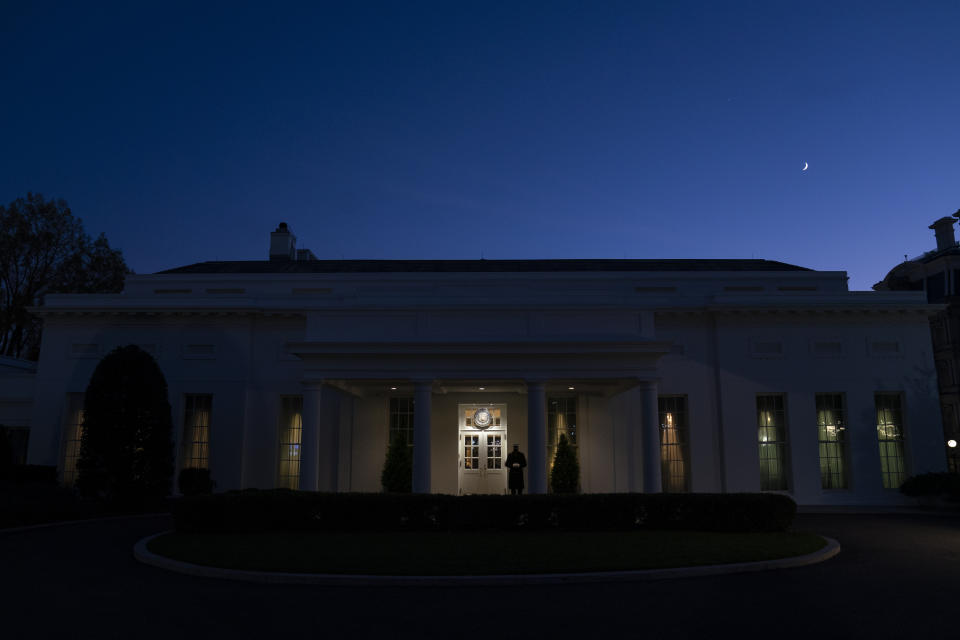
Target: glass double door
x=483 y=449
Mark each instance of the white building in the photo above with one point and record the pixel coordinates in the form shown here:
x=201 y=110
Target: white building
x=680 y=375
x=16 y=402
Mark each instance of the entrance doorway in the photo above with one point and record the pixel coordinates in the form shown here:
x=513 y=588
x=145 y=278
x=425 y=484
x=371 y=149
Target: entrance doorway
x=483 y=448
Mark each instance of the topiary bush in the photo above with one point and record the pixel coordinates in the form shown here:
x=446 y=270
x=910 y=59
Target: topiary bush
x=565 y=475
x=195 y=482
x=126 y=453
x=397 y=475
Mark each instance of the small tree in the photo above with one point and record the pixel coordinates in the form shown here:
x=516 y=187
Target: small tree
x=565 y=477
x=44 y=249
x=397 y=476
x=126 y=454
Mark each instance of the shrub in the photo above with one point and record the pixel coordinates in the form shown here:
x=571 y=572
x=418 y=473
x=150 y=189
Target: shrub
x=36 y=474
x=946 y=485
x=6 y=452
x=126 y=454
x=397 y=475
x=195 y=482
x=565 y=476
x=286 y=510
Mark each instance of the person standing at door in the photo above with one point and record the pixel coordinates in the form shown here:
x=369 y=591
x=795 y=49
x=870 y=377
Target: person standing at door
x=516 y=462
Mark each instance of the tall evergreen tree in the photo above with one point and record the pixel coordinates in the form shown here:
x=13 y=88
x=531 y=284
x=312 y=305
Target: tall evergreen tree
x=397 y=475
x=565 y=476
x=126 y=453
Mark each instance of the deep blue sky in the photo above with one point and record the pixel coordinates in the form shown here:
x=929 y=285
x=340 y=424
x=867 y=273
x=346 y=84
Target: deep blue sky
x=187 y=131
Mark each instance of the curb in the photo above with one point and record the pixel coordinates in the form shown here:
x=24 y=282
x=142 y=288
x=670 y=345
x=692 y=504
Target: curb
x=141 y=553
x=64 y=523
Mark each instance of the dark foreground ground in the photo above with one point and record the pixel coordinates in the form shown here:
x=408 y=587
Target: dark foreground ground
x=897 y=577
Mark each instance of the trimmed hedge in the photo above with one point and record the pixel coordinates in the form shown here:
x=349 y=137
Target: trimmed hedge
x=253 y=510
x=195 y=481
x=20 y=474
x=944 y=485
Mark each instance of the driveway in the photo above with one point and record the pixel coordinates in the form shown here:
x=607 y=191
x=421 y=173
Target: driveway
x=898 y=576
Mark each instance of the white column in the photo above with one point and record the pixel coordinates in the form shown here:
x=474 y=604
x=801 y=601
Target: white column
x=422 y=412
x=650 y=438
x=328 y=437
x=310 y=437
x=536 y=437
x=633 y=438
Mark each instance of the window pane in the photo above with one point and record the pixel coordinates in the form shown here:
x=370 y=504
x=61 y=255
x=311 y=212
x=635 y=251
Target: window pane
x=890 y=437
x=291 y=429
x=772 y=443
x=401 y=419
x=73 y=434
x=674 y=452
x=831 y=432
x=561 y=419
x=196 y=425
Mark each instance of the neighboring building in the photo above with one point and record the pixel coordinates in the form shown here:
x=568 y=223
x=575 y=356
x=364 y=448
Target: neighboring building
x=16 y=403
x=679 y=375
x=937 y=273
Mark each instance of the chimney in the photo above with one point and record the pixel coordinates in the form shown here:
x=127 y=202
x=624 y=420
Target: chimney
x=283 y=244
x=943 y=228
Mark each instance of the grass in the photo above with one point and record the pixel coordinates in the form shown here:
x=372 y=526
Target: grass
x=419 y=553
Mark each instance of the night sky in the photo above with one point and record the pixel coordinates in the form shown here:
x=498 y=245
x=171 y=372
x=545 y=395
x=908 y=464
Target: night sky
x=513 y=129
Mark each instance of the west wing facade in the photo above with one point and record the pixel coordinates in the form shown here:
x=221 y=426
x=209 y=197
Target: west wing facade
x=706 y=376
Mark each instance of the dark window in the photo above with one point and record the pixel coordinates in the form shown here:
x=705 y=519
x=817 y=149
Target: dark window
x=401 y=419
x=936 y=287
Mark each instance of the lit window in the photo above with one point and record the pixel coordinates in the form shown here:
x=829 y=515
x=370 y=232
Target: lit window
x=674 y=452
x=72 y=436
x=890 y=437
x=291 y=427
x=772 y=442
x=401 y=419
x=831 y=433
x=561 y=420
x=196 y=431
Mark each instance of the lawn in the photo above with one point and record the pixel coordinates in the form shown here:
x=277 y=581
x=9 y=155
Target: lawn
x=477 y=553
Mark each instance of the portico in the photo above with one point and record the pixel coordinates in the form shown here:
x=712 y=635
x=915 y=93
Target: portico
x=484 y=373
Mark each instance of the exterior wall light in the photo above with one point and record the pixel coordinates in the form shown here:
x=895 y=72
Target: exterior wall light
x=952 y=444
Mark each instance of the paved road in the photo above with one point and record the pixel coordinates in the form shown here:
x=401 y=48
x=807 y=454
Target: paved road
x=897 y=577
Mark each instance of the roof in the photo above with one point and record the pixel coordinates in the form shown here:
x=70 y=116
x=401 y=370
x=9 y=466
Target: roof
x=477 y=266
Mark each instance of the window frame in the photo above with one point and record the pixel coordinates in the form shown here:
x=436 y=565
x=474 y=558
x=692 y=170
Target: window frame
x=781 y=445
x=285 y=480
x=553 y=432
x=841 y=443
x=682 y=445
x=73 y=406
x=400 y=411
x=187 y=444
x=900 y=442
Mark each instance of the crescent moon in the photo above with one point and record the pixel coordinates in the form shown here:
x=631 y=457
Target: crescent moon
x=806 y=165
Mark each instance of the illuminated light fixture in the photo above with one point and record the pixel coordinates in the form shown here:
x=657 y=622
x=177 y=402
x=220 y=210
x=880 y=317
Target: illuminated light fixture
x=570 y=388
x=482 y=388
x=952 y=444
x=393 y=388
